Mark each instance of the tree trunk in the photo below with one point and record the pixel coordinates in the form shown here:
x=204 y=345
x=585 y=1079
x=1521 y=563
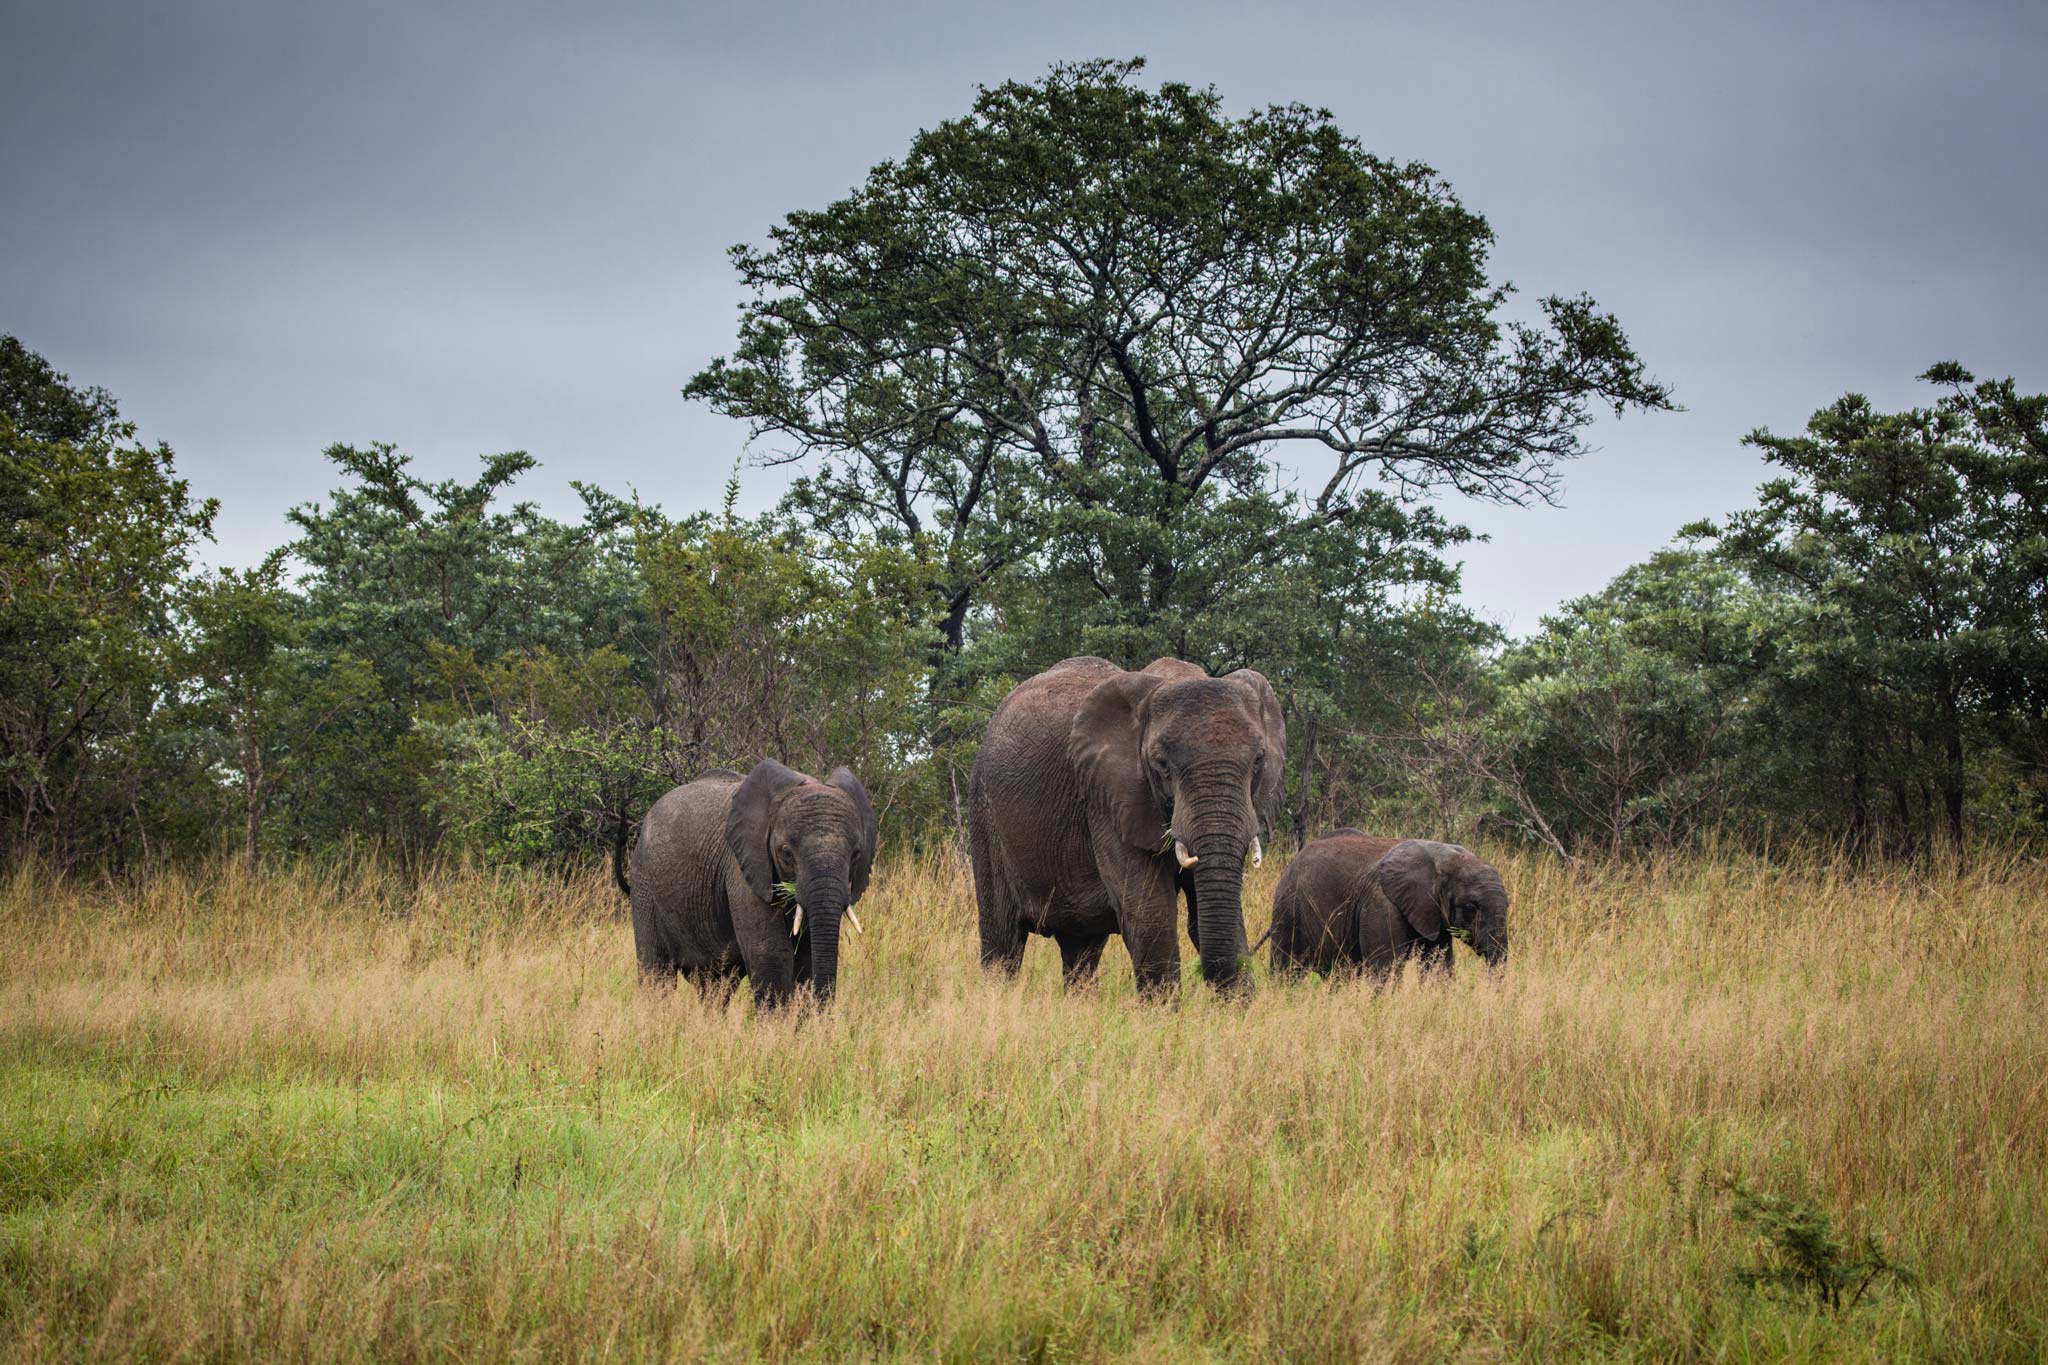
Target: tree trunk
x=1909 y=828
x=1952 y=766
x=944 y=655
x=1304 y=790
x=252 y=794
x=954 y=628
x=1859 y=796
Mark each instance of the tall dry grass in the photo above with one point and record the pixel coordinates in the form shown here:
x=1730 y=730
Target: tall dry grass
x=322 y=1114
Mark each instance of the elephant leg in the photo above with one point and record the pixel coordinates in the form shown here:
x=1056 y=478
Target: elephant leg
x=770 y=992
x=658 y=966
x=1381 y=961
x=765 y=953
x=802 y=955
x=772 y=975
x=1080 y=955
x=1002 y=943
x=1436 y=957
x=1002 y=929
x=1281 y=942
x=1154 y=943
x=1336 y=946
x=714 y=983
x=996 y=905
x=1004 y=954
x=1187 y=888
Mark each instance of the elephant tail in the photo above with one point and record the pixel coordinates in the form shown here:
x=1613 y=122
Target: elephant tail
x=620 y=826
x=1253 y=950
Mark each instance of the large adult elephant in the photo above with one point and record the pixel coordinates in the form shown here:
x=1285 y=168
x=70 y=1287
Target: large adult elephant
x=714 y=865
x=1352 y=900
x=1099 y=794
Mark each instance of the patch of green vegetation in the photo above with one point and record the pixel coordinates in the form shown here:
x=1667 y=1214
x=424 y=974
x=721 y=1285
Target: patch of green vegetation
x=1805 y=1255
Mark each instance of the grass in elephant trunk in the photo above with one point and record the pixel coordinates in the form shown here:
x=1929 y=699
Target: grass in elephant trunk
x=335 y=1114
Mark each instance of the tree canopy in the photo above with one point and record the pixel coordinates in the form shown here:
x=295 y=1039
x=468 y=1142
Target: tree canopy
x=1088 y=297
x=97 y=537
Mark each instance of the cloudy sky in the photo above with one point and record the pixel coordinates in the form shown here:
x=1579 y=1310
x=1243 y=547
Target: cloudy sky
x=268 y=227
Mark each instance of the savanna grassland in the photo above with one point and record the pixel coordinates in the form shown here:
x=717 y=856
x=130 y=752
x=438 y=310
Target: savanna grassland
x=333 y=1114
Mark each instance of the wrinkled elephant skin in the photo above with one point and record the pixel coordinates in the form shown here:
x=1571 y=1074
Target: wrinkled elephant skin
x=711 y=865
x=1100 y=796
x=1353 y=900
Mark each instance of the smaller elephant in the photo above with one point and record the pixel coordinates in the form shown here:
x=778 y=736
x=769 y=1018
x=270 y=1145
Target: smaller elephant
x=749 y=877
x=1352 y=900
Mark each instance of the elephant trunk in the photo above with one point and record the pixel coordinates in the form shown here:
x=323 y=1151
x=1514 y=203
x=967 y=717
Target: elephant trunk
x=824 y=906
x=1490 y=927
x=1219 y=909
x=1218 y=826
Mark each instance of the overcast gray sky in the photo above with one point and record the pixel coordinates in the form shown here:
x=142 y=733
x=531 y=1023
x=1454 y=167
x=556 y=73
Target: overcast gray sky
x=267 y=227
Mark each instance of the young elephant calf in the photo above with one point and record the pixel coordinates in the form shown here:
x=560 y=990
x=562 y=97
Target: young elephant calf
x=1350 y=899
x=714 y=866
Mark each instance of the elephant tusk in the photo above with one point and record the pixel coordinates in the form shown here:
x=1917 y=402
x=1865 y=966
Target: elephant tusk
x=856 y=920
x=1258 y=851
x=797 y=926
x=1182 y=856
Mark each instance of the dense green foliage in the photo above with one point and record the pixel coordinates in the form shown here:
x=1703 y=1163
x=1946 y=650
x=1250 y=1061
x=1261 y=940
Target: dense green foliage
x=1086 y=316
x=94 y=548
x=1856 y=659
x=1036 y=381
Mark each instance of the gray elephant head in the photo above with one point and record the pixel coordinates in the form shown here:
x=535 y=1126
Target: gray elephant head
x=1181 y=765
x=785 y=827
x=1441 y=887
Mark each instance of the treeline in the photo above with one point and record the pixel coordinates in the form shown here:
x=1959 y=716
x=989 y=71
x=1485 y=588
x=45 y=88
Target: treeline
x=1093 y=369
x=433 y=667
x=426 y=666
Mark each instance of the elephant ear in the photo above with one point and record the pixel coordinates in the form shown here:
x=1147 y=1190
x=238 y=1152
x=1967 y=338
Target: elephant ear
x=1272 y=786
x=864 y=811
x=750 y=819
x=1103 y=745
x=1407 y=877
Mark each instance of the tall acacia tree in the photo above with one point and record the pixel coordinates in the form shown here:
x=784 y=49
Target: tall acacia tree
x=1089 y=295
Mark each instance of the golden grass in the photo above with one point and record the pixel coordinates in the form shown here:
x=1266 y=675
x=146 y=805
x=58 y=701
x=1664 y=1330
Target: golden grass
x=325 y=1115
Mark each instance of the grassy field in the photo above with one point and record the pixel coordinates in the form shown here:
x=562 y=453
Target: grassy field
x=328 y=1115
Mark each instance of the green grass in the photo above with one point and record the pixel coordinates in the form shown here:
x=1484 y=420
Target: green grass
x=327 y=1115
